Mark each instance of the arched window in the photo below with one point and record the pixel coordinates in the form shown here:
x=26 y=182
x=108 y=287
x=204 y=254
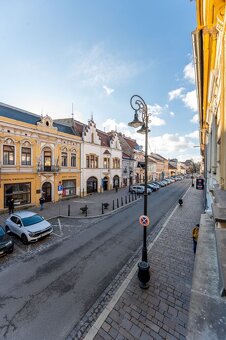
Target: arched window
x=73 y=159
x=26 y=154
x=64 y=157
x=9 y=152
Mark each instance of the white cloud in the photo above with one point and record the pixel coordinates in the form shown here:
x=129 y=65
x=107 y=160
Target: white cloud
x=194 y=134
x=189 y=73
x=156 y=121
x=155 y=109
x=97 y=67
x=174 y=146
x=190 y=100
x=108 y=90
x=175 y=93
x=195 y=119
x=172 y=113
x=112 y=125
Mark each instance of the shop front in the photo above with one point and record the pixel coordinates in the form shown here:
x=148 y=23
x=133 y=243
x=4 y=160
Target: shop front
x=69 y=188
x=20 y=192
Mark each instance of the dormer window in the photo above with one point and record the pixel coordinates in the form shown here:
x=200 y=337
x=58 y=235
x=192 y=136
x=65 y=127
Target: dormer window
x=47 y=123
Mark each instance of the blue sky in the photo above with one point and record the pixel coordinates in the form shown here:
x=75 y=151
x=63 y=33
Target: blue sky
x=96 y=54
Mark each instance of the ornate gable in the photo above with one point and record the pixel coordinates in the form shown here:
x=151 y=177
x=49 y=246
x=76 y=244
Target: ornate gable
x=90 y=134
x=46 y=123
x=115 y=143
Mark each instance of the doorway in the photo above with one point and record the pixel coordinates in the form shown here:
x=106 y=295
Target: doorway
x=47 y=191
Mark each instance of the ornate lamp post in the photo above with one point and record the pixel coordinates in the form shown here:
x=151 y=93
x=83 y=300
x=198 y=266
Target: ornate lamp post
x=139 y=106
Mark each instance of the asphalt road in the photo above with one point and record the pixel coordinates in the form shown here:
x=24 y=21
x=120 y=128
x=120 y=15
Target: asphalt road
x=45 y=295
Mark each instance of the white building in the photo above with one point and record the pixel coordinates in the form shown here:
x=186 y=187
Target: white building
x=101 y=157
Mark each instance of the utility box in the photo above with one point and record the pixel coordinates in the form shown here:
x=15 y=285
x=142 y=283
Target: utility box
x=200 y=183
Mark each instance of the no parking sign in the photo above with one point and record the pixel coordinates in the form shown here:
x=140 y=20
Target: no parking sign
x=144 y=220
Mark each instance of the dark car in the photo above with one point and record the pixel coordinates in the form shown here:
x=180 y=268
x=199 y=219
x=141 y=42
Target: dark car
x=6 y=243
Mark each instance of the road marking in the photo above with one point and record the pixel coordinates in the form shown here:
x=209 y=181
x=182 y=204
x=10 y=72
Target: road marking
x=60 y=226
x=56 y=234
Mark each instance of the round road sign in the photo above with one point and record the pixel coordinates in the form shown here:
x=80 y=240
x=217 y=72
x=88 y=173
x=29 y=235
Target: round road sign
x=144 y=220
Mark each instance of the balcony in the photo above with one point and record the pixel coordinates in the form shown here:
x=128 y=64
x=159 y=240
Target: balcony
x=48 y=168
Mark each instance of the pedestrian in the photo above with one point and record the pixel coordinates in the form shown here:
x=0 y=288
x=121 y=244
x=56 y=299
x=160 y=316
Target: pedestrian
x=116 y=188
x=41 y=200
x=195 y=235
x=11 y=205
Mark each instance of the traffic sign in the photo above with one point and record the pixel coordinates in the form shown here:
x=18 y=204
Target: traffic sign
x=60 y=187
x=144 y=220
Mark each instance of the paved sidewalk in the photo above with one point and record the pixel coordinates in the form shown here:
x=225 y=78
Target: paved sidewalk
x=93 y=201
x=160 y=312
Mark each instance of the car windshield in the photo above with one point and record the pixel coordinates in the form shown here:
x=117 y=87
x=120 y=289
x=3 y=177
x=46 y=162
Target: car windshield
x=32 y=220
x=2 y=233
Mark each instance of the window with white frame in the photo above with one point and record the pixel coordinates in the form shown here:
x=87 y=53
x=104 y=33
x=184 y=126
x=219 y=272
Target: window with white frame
x=25 y=156
x=8 y=155
x=73 y=159
x=64 y=159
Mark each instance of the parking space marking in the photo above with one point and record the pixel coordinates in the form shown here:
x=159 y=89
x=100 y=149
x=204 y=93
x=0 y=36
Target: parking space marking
x=56 y=234
x=60 y=226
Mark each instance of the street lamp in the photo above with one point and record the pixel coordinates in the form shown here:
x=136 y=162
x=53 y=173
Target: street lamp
x=139 y=106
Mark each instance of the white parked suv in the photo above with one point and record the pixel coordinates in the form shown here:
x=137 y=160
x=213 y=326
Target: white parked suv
x=28 y=225
x=139 y=189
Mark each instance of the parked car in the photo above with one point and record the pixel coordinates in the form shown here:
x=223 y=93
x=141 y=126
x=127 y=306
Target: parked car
x=160 y=183
x=139 y=189
x=28 y=225
x=6 y=243
x=155 y=184
x=152 y=187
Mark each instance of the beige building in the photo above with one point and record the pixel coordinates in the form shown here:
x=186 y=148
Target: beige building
x=38 y=157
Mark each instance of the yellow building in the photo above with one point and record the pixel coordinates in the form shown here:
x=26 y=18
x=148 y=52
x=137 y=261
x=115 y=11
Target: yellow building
x=37 y=157
x=210 y=69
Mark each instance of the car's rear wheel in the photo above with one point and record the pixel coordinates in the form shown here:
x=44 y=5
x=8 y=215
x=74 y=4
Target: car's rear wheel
x=24 y=239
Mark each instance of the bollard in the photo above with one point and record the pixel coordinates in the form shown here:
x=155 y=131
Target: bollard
x=86 y=209
x=135 y=196
x=69 y=210
x=102 y=208
x=121 y=201
x=125 y=199
x=117 y=203
x=129 y=199
x=113 y=205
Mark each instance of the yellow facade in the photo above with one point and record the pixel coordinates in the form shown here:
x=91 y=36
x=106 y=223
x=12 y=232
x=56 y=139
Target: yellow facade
x=210 y=67
x=37 y=159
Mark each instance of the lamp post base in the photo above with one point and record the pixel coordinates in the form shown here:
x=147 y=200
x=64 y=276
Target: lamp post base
x=143 y=274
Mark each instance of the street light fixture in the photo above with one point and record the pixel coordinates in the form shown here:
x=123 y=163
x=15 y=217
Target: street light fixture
x=139 y=106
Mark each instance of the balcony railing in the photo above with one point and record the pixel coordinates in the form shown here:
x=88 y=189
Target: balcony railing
x=48 y=168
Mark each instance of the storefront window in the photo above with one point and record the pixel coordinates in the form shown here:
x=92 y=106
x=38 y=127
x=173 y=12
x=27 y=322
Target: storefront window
x=8 y=155
x=26 y=156
x=69 y=188
x=21 y=193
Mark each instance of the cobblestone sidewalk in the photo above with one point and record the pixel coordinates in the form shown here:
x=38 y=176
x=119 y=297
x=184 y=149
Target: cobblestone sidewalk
x=160 y=312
